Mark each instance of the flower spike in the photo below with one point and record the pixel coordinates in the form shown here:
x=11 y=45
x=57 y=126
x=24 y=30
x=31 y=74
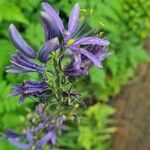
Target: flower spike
x=65 y=54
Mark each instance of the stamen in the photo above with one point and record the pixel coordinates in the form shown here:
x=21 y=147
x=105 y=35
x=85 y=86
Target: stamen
x=80 y=29
x=70 y=42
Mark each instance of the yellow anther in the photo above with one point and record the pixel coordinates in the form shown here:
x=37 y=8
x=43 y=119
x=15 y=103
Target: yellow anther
x=70 y=42
x=102 y=24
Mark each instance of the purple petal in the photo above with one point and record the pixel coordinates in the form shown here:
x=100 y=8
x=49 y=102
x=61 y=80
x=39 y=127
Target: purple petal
x=49 y=10
x=15 y=70
x=16 y=93
x=100 y=52
x=92 y=40
x=17 y=90
x=50 y=27
x=19 y=42
x=71 y=70
x=29 y=135
x=17 y=61
x=50 y=136
x=88 y=55
x=74 y=72
x=33 y=90
x=38 y=128
x=17 y=87
x=33 y=87
x=73 y=19
x=12 y=134
x=77 y=56
x=31 y=84
x=104 y=55
x=22 y=98
x=47 y=49
x=22 y=64
x=29 y=88
x=61 y=119
x=18 y=144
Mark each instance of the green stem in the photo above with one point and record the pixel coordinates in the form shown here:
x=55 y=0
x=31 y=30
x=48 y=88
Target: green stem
x=57 y=67
x=58 y=80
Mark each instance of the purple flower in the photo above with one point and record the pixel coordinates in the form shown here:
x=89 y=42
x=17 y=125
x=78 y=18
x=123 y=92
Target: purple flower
x=13 y=139
x=29 y=136
x=21 y=64
x=99 y=53
x=50 y=136
x=29 y=88
x=48 y=125
x=19 y=42
x=69 y=41
x=18 y=144
x=49 y=128
x=12 y=134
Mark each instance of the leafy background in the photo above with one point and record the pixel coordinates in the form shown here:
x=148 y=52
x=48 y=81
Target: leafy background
x=125 y=23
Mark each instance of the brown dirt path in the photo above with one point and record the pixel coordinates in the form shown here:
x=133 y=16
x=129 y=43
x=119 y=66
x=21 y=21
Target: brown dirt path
x=133 y=113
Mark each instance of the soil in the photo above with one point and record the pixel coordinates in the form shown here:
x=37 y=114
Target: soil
x=133 y=112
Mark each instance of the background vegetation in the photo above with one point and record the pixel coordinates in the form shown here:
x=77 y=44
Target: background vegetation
x=125 y=23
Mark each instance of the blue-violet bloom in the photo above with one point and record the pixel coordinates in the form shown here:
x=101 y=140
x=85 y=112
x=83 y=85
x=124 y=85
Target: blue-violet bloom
x=53 y=26
x=29 y=88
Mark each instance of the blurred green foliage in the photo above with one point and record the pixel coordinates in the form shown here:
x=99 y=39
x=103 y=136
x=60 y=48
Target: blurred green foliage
x=95 y=132
x=126 y=25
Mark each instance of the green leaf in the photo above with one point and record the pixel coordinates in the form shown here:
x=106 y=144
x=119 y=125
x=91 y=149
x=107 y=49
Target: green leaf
x=5 y=48
x=10 y=12
x=85 y=138
x=28 y=4
x=112 y=63
x=98 y=76
x=34 y=34
x=96 y=130
x=11 y=120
